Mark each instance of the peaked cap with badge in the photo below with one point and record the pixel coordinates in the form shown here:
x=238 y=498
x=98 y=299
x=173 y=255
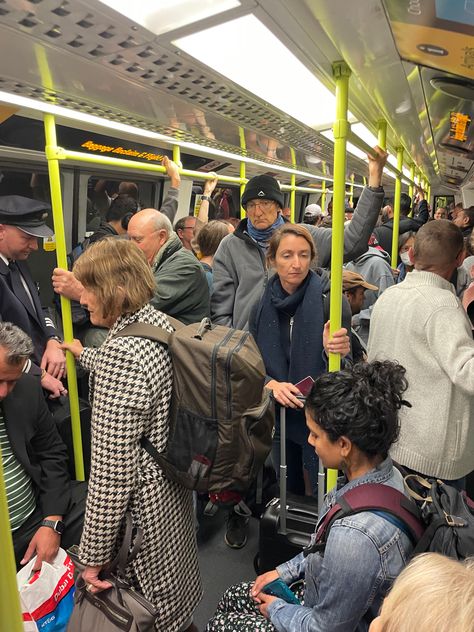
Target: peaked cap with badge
x=263 y=188
x=26 y=214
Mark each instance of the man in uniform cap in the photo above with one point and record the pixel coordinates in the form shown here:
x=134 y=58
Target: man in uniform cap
x=22 y=221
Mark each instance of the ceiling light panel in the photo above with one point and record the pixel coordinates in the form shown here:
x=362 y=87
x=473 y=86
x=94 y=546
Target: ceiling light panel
x=249 y=54
x=168 y=15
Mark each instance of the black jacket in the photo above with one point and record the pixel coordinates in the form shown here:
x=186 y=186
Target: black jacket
x=37 y=445
x=384 y=233
x=19 y=310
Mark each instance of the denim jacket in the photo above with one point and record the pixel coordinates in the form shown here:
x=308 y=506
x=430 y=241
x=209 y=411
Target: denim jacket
x=345 y=587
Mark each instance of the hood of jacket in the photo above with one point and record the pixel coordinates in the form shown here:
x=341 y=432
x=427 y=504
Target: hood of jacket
x=373 y=252
x=171 y=245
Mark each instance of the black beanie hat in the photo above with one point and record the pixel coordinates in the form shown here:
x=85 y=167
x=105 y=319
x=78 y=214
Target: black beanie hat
x=264 y=188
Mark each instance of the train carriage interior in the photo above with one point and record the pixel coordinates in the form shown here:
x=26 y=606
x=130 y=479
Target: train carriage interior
x=234 y=87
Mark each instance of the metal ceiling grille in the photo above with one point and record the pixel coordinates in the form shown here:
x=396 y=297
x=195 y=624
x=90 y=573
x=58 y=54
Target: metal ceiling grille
x=129 y=51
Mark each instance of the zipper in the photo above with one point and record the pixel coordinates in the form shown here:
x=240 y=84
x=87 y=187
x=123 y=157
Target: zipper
x=215 y=351
x=292 y=320
x=236 y=349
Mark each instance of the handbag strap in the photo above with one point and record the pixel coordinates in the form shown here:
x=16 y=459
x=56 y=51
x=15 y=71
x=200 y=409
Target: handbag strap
x=125 y=555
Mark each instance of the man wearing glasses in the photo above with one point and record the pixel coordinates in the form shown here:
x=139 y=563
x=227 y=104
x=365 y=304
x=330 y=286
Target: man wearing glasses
x=240 y=270
x=184 y=228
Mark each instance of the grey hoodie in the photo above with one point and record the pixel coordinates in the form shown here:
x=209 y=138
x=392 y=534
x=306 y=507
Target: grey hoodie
x=240 y=272
x=374 y=266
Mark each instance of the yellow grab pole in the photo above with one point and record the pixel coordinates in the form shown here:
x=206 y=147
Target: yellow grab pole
x=177 y=155
x=396 y=208
x=61 y=254
x=341 y=73
x=11 y=619
x=411 y=188
x=293 y=185
x=382 y=134
x=243 y=146
x=323 y=196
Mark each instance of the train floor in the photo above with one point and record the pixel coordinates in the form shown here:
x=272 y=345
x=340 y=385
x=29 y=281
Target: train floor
x=220 y=565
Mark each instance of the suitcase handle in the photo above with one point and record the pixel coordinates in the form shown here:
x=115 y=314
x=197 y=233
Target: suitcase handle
x=299 y=540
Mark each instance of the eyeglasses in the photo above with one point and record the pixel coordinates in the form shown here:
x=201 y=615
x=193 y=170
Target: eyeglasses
x=265 y=205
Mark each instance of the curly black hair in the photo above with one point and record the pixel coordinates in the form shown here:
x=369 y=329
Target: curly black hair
x=360 y=403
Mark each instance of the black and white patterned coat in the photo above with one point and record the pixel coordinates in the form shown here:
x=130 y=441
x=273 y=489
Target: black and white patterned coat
x=130 y=387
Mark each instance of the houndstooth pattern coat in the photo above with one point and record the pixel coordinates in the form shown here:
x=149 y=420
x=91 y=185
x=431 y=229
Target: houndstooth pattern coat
x=130 y=389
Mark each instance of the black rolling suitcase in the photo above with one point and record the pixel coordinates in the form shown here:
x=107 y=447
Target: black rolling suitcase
x=288 y=522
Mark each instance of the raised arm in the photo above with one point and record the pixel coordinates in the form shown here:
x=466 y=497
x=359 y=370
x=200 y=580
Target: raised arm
x=170 y=203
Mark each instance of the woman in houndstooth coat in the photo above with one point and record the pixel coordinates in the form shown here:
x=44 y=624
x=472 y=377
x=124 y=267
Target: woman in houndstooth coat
x=130 y=390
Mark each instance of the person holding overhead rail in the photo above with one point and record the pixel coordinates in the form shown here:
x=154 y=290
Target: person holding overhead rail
x=240 y=271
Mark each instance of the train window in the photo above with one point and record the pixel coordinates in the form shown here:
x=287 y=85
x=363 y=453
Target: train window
x=101 y=191
x=443 y=201
x=26 y=183
x=225 y=201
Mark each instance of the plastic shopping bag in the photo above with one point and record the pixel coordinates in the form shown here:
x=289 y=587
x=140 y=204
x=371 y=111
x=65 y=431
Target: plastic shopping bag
x=47 y=596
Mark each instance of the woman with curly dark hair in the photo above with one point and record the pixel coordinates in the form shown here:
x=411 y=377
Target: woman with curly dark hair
x=352 y=417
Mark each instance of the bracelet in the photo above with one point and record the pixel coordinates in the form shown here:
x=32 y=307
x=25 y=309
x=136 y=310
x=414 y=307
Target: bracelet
x=206 y=197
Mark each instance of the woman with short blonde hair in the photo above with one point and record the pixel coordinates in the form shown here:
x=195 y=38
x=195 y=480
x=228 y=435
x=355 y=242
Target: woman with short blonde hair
x=130 y=386
x=434 y=593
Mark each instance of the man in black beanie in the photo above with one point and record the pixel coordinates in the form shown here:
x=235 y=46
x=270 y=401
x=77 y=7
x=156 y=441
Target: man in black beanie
x=239 y=270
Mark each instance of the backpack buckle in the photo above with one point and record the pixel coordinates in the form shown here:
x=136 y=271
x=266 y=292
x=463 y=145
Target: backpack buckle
x=454 y=521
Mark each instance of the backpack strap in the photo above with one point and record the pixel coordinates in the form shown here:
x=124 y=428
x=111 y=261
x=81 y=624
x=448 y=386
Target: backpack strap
x=381 y=499
x=152 y=332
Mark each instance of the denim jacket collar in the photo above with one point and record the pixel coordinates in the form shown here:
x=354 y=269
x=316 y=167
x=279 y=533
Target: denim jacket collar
x=379 y=474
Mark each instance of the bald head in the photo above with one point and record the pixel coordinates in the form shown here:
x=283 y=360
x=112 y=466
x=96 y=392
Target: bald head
x=438 y=246
x=149 y=230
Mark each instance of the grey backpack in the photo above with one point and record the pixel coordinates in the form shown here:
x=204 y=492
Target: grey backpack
x=222 y=417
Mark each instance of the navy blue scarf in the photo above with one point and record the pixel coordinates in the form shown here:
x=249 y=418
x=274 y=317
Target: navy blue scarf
x=304 y=356
x=262 y=237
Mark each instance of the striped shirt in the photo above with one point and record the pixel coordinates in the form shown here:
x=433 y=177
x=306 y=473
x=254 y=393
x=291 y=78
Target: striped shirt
x=20 y=497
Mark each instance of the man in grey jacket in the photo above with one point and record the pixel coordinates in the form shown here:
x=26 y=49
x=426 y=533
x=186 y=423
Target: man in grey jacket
x=240 y=271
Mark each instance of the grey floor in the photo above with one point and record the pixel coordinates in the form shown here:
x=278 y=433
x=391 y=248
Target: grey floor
x=220 y=565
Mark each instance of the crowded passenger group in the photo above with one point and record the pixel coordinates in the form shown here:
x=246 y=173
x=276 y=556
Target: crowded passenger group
x=407 y=330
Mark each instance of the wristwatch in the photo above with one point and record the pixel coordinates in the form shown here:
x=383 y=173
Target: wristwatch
x=57 y=338
x=206 y=197
x=55 y=525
